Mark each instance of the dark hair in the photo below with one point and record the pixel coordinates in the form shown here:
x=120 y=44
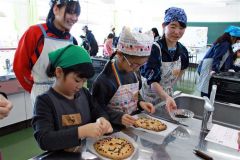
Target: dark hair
x=225 y=37
x=83 y=70
x=72 y=7
x=110 y=35
x=155 y=31
x=181 y=24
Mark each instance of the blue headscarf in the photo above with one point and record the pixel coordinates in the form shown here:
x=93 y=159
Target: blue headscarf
x=233 y=31
x=175 y=14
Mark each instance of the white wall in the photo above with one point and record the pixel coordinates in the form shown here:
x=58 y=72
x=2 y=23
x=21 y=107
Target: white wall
x=100 y=15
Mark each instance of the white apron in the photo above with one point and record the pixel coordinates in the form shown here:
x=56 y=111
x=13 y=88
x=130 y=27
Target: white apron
x=41 y=81
x=204 y=78
x=126 y=97
x=169 y=74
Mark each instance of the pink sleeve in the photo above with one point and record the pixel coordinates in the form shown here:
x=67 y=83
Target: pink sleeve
x=108 y=47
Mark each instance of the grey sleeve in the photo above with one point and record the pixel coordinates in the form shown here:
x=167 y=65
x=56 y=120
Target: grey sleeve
x=47 y=135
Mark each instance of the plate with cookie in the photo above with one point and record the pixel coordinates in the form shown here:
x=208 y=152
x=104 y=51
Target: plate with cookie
x=153 y=125
x=116 y=146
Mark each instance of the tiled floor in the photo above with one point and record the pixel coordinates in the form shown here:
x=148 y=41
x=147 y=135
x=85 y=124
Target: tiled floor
x=21 y=145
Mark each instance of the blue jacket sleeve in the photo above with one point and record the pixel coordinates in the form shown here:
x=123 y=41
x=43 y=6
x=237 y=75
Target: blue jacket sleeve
x=219 y=51
x=151 y=70
x=90 y=38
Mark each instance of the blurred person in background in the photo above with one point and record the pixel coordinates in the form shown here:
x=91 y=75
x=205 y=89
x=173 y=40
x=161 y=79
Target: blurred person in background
x=93 y=45
x=155 y=34
x=219 y=58
x=31 y=57
x=84 y=43
x=108 y=46
x=167 y=62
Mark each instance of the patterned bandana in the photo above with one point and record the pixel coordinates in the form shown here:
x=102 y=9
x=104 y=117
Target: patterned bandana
x=175 y=14
x=233 y=31
x=69 y=56
x=135 y=43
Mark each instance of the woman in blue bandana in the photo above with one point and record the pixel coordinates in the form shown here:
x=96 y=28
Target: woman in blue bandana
x=168 y=60
x=219 y=58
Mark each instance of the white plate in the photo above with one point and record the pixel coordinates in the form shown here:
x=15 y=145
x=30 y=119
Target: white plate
x=91 y=141
x=165 y=133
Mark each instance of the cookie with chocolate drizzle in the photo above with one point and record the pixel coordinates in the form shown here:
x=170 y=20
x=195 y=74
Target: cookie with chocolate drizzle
x=150 y=124
x=114 y=148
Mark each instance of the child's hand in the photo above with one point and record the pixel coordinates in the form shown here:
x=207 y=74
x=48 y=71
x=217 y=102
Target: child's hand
x=105 y=125
x=92 y=130
x=147 y=107
x=5 y=107
x=128 y=120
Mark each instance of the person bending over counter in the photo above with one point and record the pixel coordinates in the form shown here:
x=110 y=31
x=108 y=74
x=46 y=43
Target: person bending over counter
x=167 y=62
x=67 y=112
x=219 y=58
x=117 y=86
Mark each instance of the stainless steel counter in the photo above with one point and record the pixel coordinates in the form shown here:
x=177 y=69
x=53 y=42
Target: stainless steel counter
x=177 y=146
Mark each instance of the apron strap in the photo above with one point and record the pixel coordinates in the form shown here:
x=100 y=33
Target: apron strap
x=45 y=34
x=160 y=51
x=224 y=58
x=43 y=30
x=116 y=73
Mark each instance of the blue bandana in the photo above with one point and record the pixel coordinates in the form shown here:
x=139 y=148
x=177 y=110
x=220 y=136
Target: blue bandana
x=233 y=31
x=175 y=14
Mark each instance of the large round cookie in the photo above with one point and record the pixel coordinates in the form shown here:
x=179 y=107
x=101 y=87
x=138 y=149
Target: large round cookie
x=150 y=124
x=114 y=148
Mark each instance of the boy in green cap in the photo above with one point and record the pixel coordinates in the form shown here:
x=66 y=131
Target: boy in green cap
x=67 y=112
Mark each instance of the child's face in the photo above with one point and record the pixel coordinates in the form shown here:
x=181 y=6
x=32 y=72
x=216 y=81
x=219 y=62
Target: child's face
x=71 y=84
x=64 y=21
x=133 y=64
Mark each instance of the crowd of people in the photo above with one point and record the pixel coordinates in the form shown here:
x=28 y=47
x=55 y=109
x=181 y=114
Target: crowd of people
x=141 y=72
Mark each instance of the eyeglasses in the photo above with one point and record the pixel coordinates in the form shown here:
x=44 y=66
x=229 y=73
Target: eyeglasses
x=132 y=65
